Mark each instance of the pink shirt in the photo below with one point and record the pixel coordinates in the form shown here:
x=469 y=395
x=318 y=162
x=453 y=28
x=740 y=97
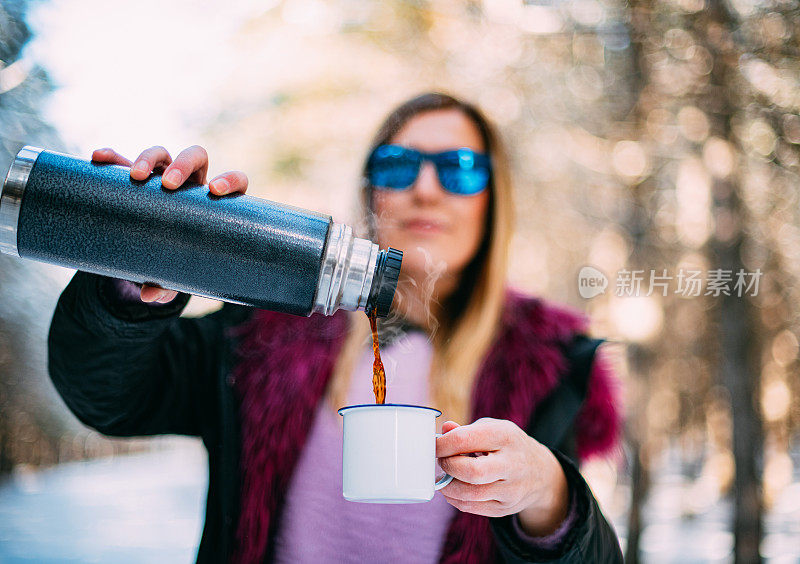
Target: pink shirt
x=318 y=524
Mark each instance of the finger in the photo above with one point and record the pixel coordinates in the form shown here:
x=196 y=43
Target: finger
x=148 y=161
x=464 y=491
x=228 y=182
x=151 y=293
x=191 y=163
x=109 y=155
x=487 y=508
x=484 y=435
x=449 y=426
x=168 y=296
x=480 y=470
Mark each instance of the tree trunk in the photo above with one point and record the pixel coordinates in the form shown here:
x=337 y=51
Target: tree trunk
x=738 y=328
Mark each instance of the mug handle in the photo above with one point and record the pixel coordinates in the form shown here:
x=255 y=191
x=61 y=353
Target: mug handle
x=444 y=480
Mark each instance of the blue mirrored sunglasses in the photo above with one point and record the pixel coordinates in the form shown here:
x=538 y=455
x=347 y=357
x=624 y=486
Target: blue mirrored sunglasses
x=460 y=171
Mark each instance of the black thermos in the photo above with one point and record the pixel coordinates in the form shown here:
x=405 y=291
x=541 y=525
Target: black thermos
x=93 y=217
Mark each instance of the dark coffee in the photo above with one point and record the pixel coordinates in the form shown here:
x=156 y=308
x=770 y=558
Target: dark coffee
x=378 y=373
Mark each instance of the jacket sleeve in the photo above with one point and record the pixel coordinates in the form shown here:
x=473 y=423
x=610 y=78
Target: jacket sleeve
x=132 y=369
x=590 y=539
x=595 y=431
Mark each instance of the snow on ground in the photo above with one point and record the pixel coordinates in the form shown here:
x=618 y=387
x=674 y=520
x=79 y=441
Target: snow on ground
x=148 y=507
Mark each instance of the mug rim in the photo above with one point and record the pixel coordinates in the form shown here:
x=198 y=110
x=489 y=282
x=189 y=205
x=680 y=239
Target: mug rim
x=342 y=410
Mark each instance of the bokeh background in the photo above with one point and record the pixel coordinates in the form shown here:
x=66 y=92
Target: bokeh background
x=651 y=135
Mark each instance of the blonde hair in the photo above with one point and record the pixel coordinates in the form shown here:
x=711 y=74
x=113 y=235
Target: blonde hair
x=473 y=312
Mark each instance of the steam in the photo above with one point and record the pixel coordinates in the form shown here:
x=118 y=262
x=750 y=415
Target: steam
x=411 y=293
x=420 y=294
x=434 y=269
x=417 y=294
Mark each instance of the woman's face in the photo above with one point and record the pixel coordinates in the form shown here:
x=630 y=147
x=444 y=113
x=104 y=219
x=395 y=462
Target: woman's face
x=434 y=228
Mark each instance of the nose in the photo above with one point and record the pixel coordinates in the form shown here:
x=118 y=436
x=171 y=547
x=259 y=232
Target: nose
x=427 y=186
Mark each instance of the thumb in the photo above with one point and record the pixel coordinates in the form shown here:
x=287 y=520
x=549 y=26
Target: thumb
x=448 y=426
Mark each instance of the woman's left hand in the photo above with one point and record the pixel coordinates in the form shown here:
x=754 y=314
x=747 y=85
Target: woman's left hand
x=498 y=470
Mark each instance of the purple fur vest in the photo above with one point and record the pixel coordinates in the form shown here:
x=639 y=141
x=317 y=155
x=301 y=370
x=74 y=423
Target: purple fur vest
x=284 y=363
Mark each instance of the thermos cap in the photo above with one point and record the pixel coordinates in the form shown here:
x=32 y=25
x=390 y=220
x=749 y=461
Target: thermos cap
x=384 y=282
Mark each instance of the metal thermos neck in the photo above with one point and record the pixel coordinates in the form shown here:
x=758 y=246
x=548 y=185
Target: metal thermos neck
x=347 y=270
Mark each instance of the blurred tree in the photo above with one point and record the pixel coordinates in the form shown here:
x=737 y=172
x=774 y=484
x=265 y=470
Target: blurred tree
x=716 y=80
x=21 y=362
x=644 y=255
x=739 y=333
x=35 y=427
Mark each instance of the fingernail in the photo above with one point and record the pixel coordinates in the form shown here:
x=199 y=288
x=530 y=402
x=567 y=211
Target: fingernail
x=140 y=167
x=174 y=177
x=221 y=186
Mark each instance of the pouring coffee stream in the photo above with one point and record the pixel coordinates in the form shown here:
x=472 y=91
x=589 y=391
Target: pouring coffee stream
x=378 y=372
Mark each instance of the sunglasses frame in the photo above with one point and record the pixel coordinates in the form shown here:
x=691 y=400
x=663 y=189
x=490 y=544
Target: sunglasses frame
x=477 y=159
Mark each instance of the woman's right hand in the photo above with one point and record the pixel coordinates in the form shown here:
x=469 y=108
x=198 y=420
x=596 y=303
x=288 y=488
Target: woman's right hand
x=190 y=165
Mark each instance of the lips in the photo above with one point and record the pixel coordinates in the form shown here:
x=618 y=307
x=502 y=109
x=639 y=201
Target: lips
x=424 y=225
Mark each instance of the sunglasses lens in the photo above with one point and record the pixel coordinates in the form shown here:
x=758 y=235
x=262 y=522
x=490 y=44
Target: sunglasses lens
x=463 y=172
x=461 y=181
x=393 y=167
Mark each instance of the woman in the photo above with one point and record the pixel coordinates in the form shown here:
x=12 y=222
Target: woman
x=261 y=388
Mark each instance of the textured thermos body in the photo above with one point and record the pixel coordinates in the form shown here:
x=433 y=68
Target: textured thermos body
x=93 y=217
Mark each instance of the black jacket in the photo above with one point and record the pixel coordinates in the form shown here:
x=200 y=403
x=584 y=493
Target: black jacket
x=138 y=369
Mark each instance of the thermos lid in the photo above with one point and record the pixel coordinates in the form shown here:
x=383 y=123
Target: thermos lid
x=384 y=281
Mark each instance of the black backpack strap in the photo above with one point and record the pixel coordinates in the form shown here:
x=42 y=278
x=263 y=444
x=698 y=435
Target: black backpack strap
x=553 y=418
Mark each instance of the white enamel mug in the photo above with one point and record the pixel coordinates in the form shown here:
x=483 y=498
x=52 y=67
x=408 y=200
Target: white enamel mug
x=389 y=453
